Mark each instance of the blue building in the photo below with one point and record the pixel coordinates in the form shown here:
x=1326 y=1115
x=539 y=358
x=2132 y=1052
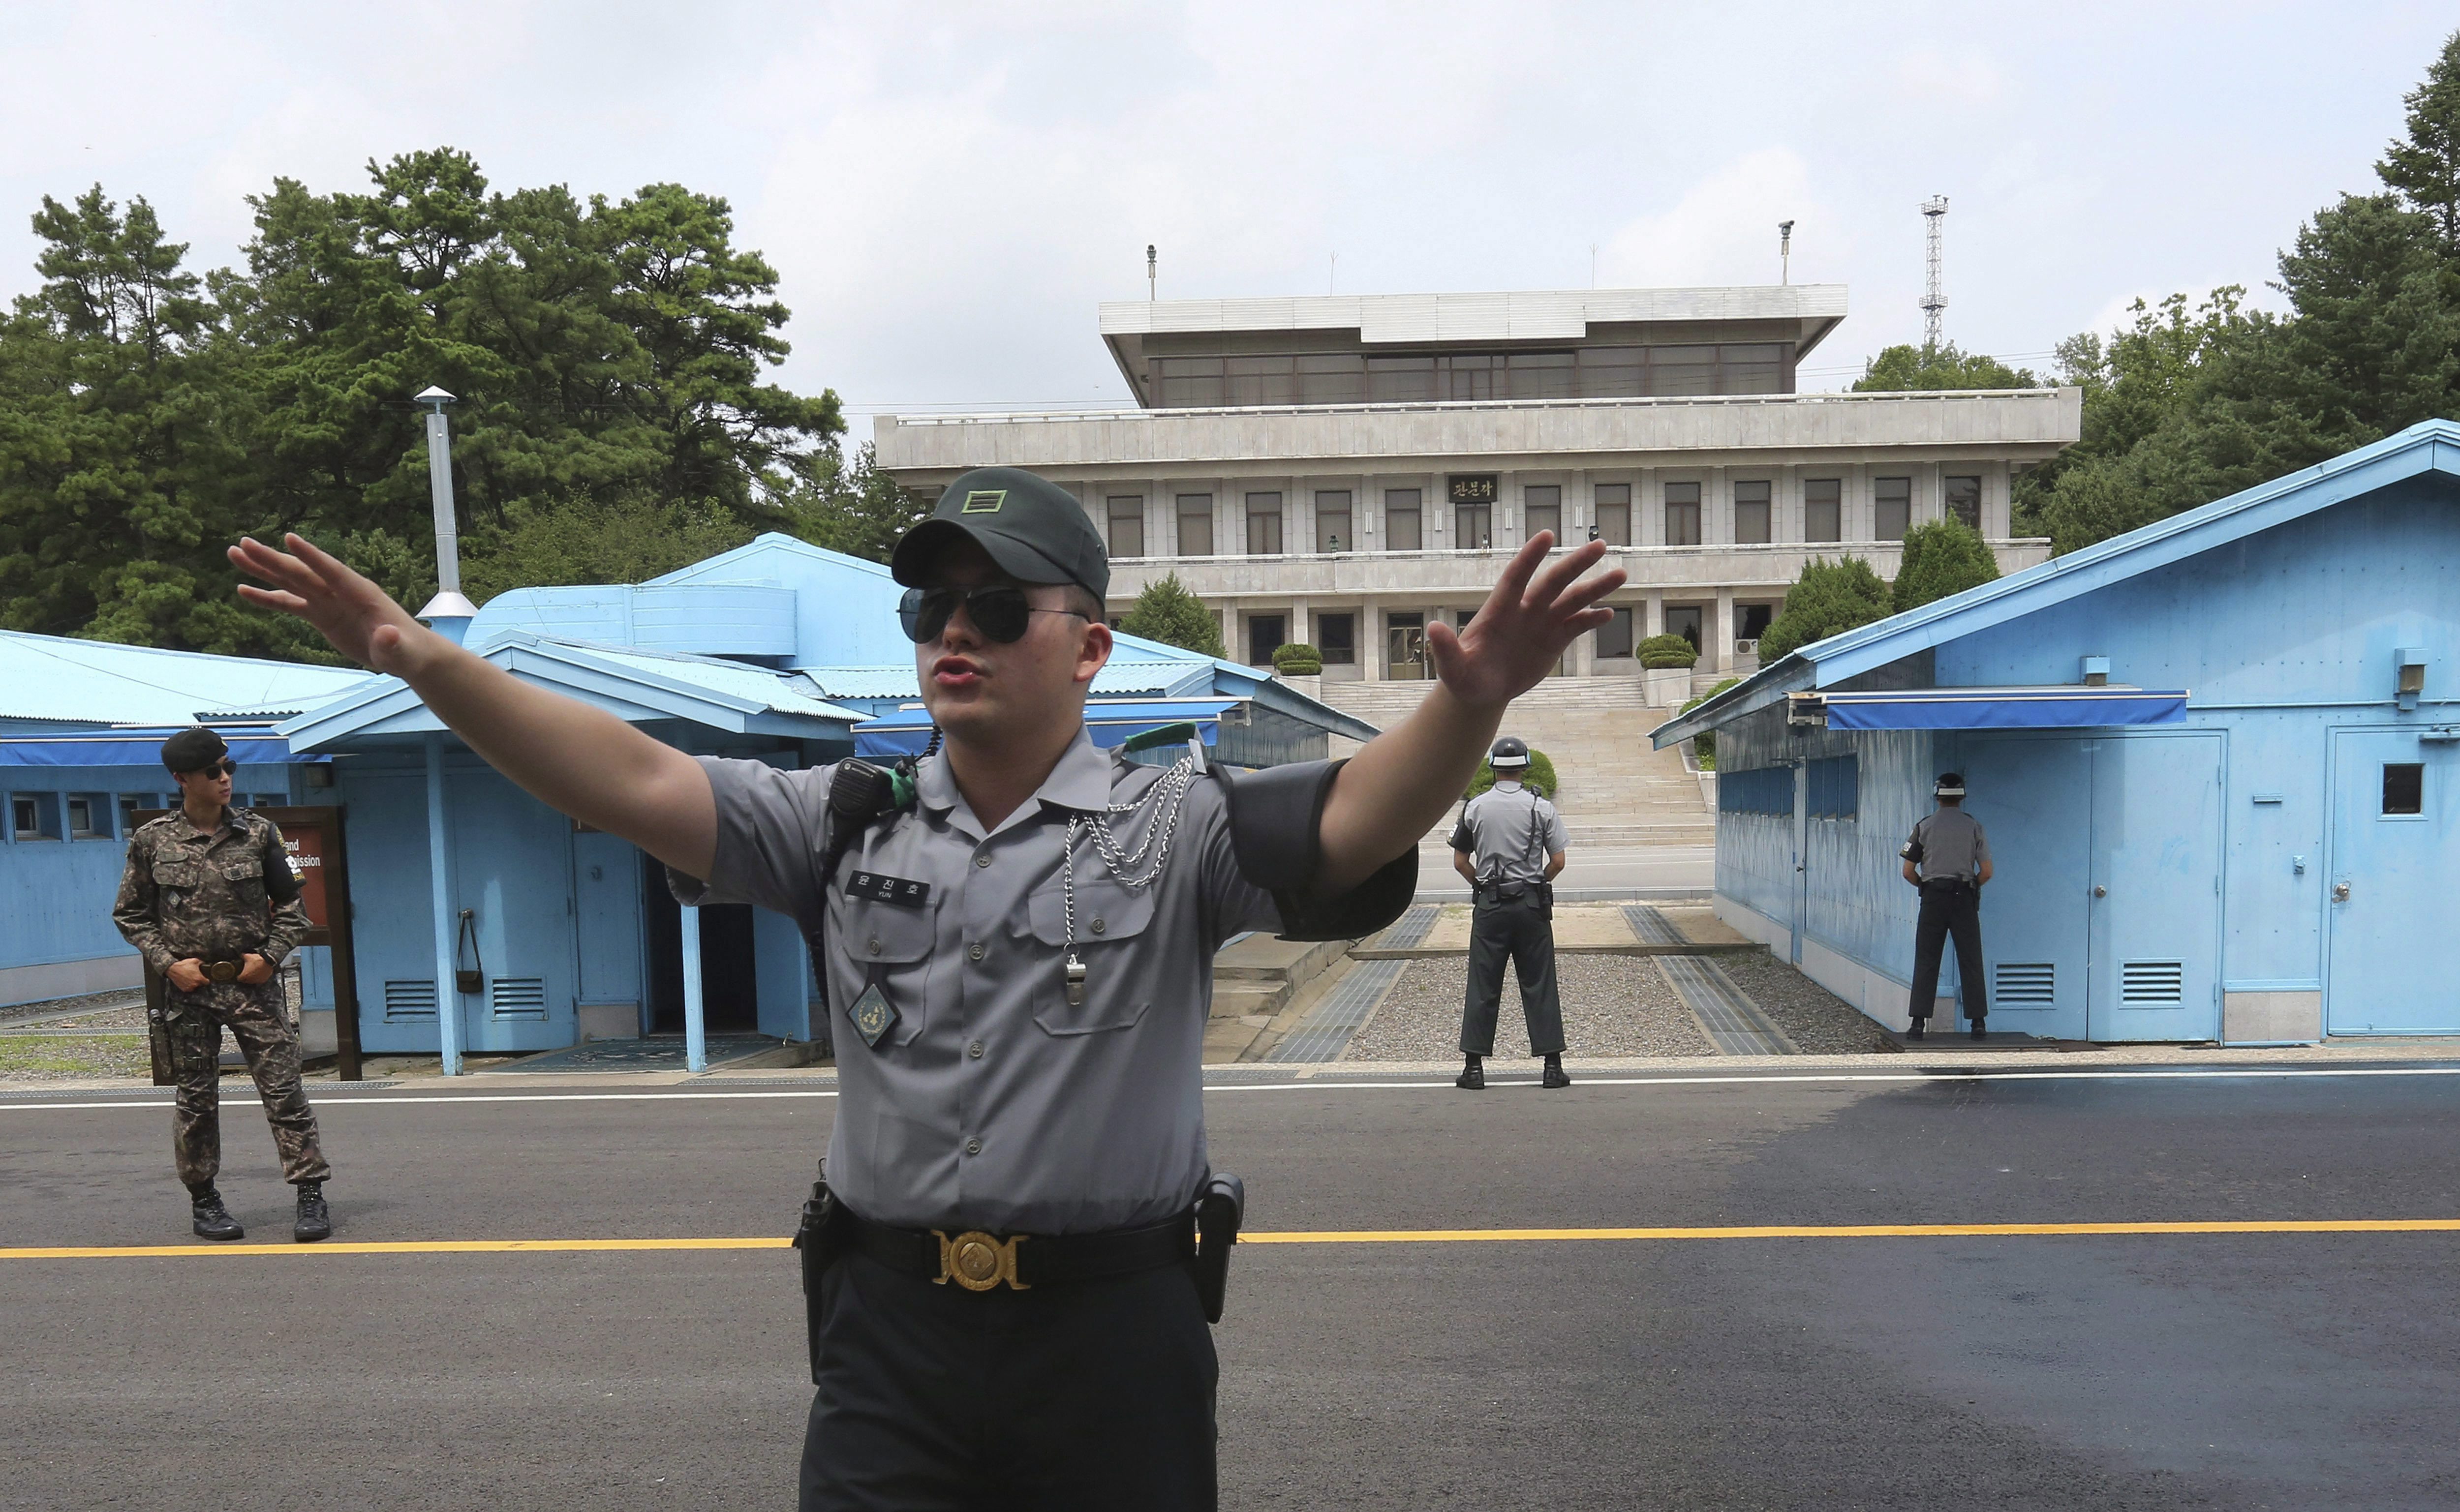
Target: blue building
x=778 y=651
x=2218 y=759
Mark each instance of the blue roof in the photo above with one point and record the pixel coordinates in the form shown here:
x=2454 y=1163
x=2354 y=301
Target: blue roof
x=2430 y=446
x=1117 y=680
x=60 y=679
x=1109 y=722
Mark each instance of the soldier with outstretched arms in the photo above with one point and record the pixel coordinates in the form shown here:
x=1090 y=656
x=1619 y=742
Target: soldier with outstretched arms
x=1019 y=1241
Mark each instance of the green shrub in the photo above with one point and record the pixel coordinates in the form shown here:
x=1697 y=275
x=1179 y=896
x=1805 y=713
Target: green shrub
x=1297 y=658
x=1664 y=651
x=1829 y=599
x=1540 y=778
x=1168 y=613
x=1942 y=558
x=1704 y=745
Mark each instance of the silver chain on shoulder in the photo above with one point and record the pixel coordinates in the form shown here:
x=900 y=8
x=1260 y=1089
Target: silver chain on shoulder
x=1160 y=805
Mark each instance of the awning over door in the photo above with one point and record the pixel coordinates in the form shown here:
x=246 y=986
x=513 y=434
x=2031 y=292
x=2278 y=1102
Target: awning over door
x=2078 y=705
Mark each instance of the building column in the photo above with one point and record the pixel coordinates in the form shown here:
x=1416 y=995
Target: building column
x=695 y=1012
x=1653 y=610
x=1370 y=641
x=439 y=891
x=1722 y=628
x=1301 y=631
x=1717 y=509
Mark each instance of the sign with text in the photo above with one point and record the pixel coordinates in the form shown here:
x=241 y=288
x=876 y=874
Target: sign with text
x=1472 y=488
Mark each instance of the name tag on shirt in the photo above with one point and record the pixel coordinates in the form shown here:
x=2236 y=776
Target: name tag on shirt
x=880 y=888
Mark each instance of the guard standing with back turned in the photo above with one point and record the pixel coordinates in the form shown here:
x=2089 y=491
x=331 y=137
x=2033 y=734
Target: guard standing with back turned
x=1020 y=1239
x=209 y=899
x=1948 y=858
x=1511 y=844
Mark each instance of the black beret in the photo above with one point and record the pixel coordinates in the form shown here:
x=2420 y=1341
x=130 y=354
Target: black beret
x=194 y=749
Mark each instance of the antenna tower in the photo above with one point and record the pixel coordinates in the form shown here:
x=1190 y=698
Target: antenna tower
x=1934 y=216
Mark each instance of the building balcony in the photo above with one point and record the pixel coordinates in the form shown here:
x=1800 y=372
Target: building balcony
x=2016 y=426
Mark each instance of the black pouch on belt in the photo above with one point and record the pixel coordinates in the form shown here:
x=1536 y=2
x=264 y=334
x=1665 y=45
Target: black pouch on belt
x=821 y=1239
x=1219 y=1210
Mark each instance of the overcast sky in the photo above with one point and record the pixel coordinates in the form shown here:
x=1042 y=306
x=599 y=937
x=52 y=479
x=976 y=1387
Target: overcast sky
x=948 y=191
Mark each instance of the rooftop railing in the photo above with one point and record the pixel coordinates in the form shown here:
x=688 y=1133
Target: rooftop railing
x=1439 y=406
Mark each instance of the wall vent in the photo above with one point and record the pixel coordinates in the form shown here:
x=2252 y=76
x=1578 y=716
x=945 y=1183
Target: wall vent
x=518 y=997
x=2023 y=984
x=410 y=1001
x=2152 y=982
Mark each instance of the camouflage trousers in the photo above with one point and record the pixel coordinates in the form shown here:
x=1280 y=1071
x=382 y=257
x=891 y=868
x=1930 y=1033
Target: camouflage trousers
x=258 y=1020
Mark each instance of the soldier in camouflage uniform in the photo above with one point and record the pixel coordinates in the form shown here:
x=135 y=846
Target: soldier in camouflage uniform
x=209 y=899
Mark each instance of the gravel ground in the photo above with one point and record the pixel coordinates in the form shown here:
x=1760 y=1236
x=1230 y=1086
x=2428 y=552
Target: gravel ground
x=42 y=1058
x=1817 y=1020
x=1613 y=1005
x=116 y=1009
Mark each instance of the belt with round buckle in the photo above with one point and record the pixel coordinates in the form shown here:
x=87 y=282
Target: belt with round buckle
x=978 y=1262
x=222 y=970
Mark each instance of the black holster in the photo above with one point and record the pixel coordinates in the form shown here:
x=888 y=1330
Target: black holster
x=822 y=1238
x=1219 y=1208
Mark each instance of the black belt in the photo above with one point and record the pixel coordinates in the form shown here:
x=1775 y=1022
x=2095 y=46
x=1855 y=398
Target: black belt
x=980 y=1261
x=222 y=970
x=1949 y=884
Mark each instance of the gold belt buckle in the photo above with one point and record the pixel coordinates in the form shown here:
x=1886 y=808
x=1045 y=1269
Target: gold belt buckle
x=978 y=1262
x=225 y=972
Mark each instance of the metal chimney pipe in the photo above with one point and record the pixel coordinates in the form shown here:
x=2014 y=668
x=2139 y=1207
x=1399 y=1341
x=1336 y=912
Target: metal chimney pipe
x=449 y=613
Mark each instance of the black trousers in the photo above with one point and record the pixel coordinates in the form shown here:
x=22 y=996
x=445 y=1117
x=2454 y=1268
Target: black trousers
x=1518 y=930
x=1082 y=1397
x=1949 y=911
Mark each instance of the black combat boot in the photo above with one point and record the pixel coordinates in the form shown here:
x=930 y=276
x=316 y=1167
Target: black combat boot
x=212 y=1220
x=1916 y=1031
x=1554 y=1077
x=314 y=1223
x=1472 y=1077
x=1977 y=1028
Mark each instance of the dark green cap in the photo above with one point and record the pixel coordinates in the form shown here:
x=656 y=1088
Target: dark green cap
x=194 y=749
x=1034 y=529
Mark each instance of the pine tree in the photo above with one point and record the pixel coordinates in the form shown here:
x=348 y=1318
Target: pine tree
x=1942 y=558
x=1168 y=613
x=1829 y=599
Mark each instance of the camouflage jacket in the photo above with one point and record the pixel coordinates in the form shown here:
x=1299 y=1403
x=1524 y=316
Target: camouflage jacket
x=188 y=894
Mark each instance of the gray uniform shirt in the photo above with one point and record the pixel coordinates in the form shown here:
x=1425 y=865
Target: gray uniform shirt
x=1511 y=831
x=1947 y=843
x=992 y=1102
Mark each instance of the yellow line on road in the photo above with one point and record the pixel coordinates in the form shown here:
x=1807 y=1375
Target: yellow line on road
x=1354 y=1236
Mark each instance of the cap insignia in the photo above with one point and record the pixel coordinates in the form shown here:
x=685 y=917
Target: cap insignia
x=983 y=501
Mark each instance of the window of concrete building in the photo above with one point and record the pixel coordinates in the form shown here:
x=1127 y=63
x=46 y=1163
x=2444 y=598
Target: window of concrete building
x=1677 y=370
x=1751 y=621
x=1336 y=636
x=1540 y=375
x=1541 y=508
x=1260 y=380
x=1402 y=520
x=1404 y=643
x=1469 y=376
x=1614 y=637
x=1127 y=524
x=1892 y=508
x=1964 y=501
x=1681 y=513
x=1400 y=380
x=1684 y=620
x=1823 y=509
x=1195 y=524
x=1614 y=514
x=1332 y=378
x=1751 y=512
x=1263 y=524
x=1184 y=382
x=1613 y=372
x=1473 y=526
x=1265 y=635
x=1332 y=531
x=1750 y=369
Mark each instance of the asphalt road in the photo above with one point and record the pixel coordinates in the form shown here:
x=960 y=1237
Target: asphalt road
x=2237 y=1371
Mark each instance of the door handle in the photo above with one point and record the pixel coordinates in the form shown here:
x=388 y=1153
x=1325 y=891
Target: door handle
x=2340 y=891
x=2098 y=891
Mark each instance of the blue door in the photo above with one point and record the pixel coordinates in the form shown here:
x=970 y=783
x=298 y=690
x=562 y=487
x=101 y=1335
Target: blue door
x=513 y=870
x=2394 y=872
x=2033 y=796
x=2155 y=882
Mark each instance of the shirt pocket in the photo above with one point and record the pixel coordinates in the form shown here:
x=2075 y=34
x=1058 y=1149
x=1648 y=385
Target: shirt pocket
x=243 y=873
x=1114 y=925
x=891 y=946
x=176 y=881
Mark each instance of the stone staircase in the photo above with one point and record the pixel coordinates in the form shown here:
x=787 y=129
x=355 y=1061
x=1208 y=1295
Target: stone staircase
x=1614 y=789
x=1253 y=980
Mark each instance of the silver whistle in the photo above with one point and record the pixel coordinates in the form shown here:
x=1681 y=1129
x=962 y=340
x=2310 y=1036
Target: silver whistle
x=1076 y=981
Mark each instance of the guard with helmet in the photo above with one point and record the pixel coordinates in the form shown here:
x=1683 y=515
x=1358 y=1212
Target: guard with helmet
x=1510 y=844
x=1948 y=858
x=1019 y=1238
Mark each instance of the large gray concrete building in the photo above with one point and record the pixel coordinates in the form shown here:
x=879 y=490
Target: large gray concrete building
x=1346 y=470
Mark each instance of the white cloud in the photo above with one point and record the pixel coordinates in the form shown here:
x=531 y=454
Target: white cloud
x=1724 y=229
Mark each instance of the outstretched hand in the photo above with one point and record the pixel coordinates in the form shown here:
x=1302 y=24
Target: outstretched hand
x=348 y=610
x=1521 y=632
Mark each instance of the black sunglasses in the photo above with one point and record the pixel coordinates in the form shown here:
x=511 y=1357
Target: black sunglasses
x=225 y=767
x=997 y=610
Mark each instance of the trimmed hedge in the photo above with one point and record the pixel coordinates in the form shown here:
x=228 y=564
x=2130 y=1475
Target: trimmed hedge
x=1297 y=658
x=1540 y=776
x=1704 y=745
x=1667 y=651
